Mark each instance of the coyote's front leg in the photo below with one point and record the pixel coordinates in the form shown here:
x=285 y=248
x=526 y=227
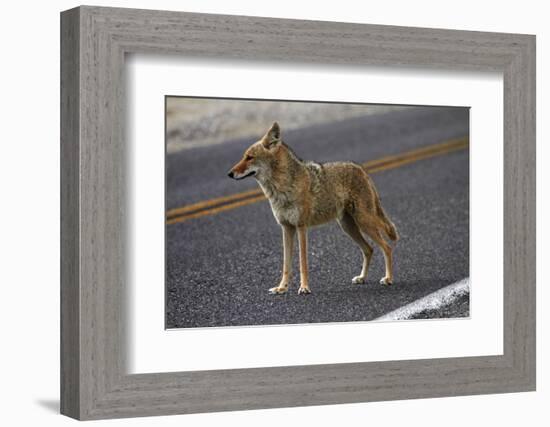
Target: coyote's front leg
x=288 y=244
x=304 y=281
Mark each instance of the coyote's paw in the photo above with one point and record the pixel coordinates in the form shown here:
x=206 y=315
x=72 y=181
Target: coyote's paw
x=303 y=290
x=386 y=281
x=278 y=290
x=358 y=280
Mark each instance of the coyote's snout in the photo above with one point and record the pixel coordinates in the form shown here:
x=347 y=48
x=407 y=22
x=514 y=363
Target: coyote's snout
x=304 y=194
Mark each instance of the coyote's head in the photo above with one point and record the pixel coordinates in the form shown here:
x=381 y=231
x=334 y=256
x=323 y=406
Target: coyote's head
x=261 y=157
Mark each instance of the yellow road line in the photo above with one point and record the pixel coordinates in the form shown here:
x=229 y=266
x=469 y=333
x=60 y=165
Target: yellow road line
x=211 y=202
x=416 y=155
x=216 y=210
x=244 y=198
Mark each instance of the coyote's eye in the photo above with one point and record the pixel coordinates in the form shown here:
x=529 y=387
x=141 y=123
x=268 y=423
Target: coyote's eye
x=248 y=158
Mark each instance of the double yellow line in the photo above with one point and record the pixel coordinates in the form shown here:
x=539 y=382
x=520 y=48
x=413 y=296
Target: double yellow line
x=233 y=201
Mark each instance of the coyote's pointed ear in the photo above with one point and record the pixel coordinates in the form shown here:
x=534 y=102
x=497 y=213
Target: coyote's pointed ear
x=273 y=136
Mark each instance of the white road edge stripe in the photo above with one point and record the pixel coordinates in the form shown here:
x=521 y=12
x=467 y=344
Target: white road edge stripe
x=440 y=298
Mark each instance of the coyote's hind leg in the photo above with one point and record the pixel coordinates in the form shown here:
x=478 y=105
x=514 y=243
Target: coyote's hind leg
x=352 y=230
x=373 y=228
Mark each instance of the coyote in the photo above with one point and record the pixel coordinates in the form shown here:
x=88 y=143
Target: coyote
x=305 y=194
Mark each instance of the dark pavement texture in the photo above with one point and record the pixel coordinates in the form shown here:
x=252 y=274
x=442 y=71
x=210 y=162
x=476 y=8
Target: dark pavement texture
x=219 y=268
x=458 y=308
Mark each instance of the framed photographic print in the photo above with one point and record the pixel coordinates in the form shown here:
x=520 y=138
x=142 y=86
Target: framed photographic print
x=217 y=281
x=261 y=213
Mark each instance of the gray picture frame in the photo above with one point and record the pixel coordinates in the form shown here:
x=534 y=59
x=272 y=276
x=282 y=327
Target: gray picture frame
x=94 y=381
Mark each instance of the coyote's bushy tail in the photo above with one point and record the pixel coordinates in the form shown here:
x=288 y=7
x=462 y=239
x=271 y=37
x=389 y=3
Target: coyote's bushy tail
x=390 y=229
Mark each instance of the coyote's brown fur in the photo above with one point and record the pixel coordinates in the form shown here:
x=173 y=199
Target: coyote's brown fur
x=304 y=194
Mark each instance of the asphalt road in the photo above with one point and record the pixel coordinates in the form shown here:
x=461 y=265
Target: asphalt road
x=219 y=267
